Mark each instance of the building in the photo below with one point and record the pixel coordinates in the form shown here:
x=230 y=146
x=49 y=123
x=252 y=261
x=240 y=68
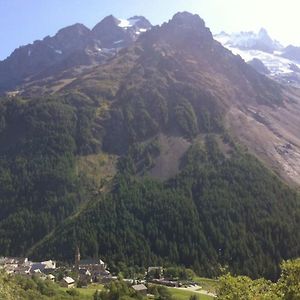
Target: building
x=51 y=277
x=49 y=264
x=77 y=258
x=85 y=276
x=67 y=282
x=22 y=270
x=141 y=289
x=10 y=264
x=96 y=267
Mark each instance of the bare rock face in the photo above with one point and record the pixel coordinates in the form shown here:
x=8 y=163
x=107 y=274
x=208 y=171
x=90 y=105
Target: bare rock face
x=259 y=66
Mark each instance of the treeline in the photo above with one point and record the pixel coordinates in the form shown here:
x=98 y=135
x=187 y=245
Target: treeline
x=222 y=212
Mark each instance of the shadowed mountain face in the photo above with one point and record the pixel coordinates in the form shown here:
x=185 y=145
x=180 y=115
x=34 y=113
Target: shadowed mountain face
x=164 y=153
x=72 y=46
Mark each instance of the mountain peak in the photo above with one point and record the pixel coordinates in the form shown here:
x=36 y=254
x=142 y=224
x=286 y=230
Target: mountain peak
x=107 y=21
x=140 y=22
x=76 y=29
x=187 y=19
x=263 y=34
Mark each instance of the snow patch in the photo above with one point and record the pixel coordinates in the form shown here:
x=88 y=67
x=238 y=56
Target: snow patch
x=124 y=23
x=58 y=51
x=128 y=23
x=118 y=42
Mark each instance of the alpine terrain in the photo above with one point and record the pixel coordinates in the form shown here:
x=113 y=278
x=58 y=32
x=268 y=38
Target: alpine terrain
x=150 y=145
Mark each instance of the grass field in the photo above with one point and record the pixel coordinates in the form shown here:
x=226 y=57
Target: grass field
x=87 y=293
x=210 y=285
x=179 y=294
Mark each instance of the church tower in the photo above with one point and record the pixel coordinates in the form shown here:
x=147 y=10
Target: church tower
x=77 y=258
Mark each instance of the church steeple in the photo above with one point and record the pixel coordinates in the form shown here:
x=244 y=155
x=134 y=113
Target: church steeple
x=77 y=258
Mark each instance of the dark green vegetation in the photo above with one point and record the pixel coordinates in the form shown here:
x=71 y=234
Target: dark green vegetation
x=222 y=208
x=217 y=212
x=24 y=288
x=286 y=288
x=120 y=290
x=38 y=186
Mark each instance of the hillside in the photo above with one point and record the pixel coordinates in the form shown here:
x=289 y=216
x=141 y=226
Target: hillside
x=165 y=153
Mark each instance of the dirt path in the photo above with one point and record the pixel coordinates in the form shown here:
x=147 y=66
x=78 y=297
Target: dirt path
x=197 y=289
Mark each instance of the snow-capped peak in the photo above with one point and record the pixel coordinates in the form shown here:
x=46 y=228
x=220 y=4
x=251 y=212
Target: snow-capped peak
x=263 y=53
x=250 y=40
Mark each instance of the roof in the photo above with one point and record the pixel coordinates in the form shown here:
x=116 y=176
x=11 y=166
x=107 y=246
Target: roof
x=37 y=266
x=22 y=269
x=139 y=287
x=84 y=272
x=49 y=264
x=13 y=260
x=68 y=280
x=91 y=261
x=51 y=276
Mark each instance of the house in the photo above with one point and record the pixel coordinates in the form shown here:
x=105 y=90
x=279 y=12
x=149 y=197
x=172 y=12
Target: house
x=85 y=275
x=35 y=267
x=18 y=261
x=22 y=270
x=67 y=282
x=141 y=289
x=38 y=273
x=92 y=264
x=9 y=264
x=45 y=266
x=96 y=267
x=49 y=264
x=170 y=283
x=51 y=277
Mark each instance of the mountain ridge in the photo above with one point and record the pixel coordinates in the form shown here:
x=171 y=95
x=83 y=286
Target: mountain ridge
x=279 y=60
x=93 y=46
x=176 y=96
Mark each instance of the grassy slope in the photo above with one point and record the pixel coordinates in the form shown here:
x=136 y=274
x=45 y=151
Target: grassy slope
x=179 y=294
x=87 y=293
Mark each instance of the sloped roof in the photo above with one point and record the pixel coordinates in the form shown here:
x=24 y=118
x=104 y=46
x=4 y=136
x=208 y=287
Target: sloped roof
x=139 y=287
x=91 y=261
x=68 y=280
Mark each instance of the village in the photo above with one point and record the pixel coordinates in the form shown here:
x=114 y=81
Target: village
x=87 y=271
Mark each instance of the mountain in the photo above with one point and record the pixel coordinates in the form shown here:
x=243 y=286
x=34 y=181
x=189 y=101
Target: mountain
x=174 y=151
x=278 y=60
x=291 y=52
x=260 y=41
x=259 y=66
x=114 y=33
x=72 y=46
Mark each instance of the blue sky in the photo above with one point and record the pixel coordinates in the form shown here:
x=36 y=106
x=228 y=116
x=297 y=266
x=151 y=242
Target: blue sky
x=23 y=21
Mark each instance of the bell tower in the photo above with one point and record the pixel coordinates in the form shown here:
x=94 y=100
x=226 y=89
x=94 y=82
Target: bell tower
x=77 y=257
